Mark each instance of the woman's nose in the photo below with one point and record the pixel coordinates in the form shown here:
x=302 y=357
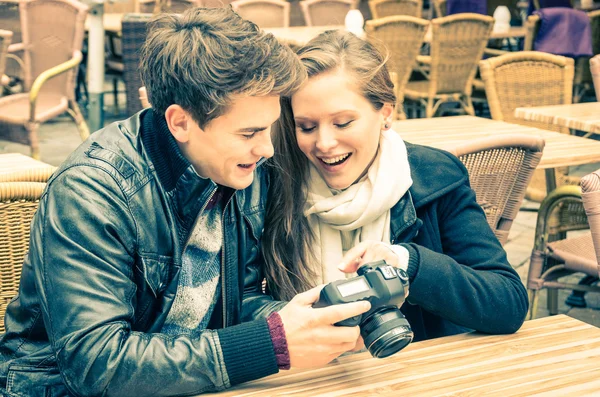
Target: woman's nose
x=325 y=140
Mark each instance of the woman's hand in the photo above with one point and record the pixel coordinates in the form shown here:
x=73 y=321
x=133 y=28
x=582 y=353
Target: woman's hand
x=371 y=251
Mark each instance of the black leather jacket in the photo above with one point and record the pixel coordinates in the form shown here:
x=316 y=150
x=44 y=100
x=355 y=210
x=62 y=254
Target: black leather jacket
x=103 y=269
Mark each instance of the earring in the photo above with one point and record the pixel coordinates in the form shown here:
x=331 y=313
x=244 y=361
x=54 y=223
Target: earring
x=386 y=126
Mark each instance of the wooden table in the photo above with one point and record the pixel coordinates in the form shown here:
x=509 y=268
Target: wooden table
x=111 y=21
x=578 y=116
x=18 y=167
x=561 y=150
x=557 y=355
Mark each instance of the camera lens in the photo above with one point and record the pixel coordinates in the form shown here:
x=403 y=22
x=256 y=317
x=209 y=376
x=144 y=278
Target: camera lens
x=386 y=332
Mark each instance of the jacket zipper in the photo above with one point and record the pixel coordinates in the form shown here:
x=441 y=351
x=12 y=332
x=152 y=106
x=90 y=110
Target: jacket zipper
x=223 y=284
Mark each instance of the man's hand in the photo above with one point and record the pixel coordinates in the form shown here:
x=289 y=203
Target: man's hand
x=369 y=251
x=312 y=339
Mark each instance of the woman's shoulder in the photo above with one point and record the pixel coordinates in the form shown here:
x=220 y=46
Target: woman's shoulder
x=433 y=171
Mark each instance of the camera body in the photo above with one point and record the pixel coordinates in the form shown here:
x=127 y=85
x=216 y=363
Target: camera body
x=383 y=328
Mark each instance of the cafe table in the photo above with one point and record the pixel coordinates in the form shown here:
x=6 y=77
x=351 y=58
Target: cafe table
x=16 y=167
x=561 y=150
x=577 y=116
x=550 y=356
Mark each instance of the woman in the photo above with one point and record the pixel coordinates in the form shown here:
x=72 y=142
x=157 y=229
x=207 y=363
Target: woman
x=346 y=190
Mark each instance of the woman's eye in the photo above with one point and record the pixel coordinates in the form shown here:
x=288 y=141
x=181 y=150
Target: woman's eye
x=344 y=125
x=306 y=129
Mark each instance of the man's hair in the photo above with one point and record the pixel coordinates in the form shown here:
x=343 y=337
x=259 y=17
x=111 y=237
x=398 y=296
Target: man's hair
x=204 y=57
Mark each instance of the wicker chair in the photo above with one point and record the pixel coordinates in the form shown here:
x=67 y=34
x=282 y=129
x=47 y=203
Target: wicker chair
x=457 y=44
x=440 y=8
x=134 y=35
x=529 y=78
x=500 y=168
x=326 y=12
x=403 y=36
x=580 y=253
x=18 y=203
x=5 y=39
x=595 y=72
x=582 y=80
x=52 y=39
x=264 y=13
x=174 y=6
x=387 y=8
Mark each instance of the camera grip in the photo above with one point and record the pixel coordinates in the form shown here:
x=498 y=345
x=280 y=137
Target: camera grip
x=350 y=322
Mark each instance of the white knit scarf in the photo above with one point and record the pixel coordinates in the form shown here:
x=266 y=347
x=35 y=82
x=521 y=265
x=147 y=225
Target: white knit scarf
x=362 y=209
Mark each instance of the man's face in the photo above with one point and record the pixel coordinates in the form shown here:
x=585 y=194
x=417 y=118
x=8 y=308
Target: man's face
x=228 y=148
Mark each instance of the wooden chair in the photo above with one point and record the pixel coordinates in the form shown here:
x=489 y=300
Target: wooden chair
x=264 y=13
x=529 y=78
x=500 y=168
x=326 y=12
x=457 y=44
x=387 y=8
x=403 y=36
x=582 y=79
x=5 y=39
x=18 y=203
x=52 y=38
x=577 y=253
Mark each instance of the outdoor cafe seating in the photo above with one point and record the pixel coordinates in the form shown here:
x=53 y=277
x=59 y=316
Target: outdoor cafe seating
x=466 y=82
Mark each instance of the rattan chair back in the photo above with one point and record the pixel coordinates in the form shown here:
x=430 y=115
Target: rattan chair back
x=264 y=13
x=134 y=29
x=5 y=39
x=18 y=203
x=500 y=169
x=387 y=8
x=326 y=12
x=457 y=45
x=595 y=71
x=403 y=36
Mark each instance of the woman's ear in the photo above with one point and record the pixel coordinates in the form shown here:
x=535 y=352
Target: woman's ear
x=179 y=122
x=387 y=112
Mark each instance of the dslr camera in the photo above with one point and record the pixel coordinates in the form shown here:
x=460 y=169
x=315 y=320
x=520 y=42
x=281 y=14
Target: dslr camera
x=384 y=329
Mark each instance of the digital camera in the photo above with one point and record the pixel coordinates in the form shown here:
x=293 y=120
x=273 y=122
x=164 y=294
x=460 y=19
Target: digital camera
x=384 y=329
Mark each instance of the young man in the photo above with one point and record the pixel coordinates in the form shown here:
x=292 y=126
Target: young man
x=145 y=251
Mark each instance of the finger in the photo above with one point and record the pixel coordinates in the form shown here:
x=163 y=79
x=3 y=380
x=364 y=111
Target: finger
x=309 y=297
x=332 y=335
x=335 y=313
x=353 y=256
x=360 y=344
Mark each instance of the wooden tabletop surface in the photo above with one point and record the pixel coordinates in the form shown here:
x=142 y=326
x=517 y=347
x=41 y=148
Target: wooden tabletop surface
x=578 y=116
x=557 y=355
x=447 y=132
x=12 y=164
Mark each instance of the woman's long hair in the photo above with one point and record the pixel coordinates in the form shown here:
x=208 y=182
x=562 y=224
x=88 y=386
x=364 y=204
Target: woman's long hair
x=287 y=241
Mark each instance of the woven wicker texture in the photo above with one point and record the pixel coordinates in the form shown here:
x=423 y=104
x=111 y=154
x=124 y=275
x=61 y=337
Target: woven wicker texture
x=590 y=194
x=28 y=175
x=264 y=13
x=529 y=78
x=500 y=169
x=18 y=203
x=326 y=12
x=440 y=8
x=134 y=35
x=52 y=33
x=595 y=70
x=387 y=8
x=403 y=37
x=457 y=45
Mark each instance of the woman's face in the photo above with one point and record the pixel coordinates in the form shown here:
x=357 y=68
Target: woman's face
x=337 y=128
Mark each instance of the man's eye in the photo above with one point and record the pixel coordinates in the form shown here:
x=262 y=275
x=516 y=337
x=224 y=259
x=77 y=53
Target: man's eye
x=344 y=125
x=250 y=136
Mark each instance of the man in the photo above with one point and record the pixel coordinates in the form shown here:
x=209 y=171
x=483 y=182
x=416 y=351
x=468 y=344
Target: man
x=145 y=251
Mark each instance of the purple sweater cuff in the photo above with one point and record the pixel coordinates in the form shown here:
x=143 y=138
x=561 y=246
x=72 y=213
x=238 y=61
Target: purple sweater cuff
x=279 y=342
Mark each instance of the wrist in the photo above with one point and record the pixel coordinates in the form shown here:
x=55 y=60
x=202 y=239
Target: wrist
x=279 y=340
x=402 y=254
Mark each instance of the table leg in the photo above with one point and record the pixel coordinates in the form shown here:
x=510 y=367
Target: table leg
x=96 y=67
x=550 y=179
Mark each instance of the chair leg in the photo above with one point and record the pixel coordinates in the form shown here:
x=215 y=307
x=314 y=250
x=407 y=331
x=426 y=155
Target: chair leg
x=429 y=110
x=533 y=303
x=469 y=106
x=75 y=112
x=552 y=301
x=34 y=143
x=116 y=95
